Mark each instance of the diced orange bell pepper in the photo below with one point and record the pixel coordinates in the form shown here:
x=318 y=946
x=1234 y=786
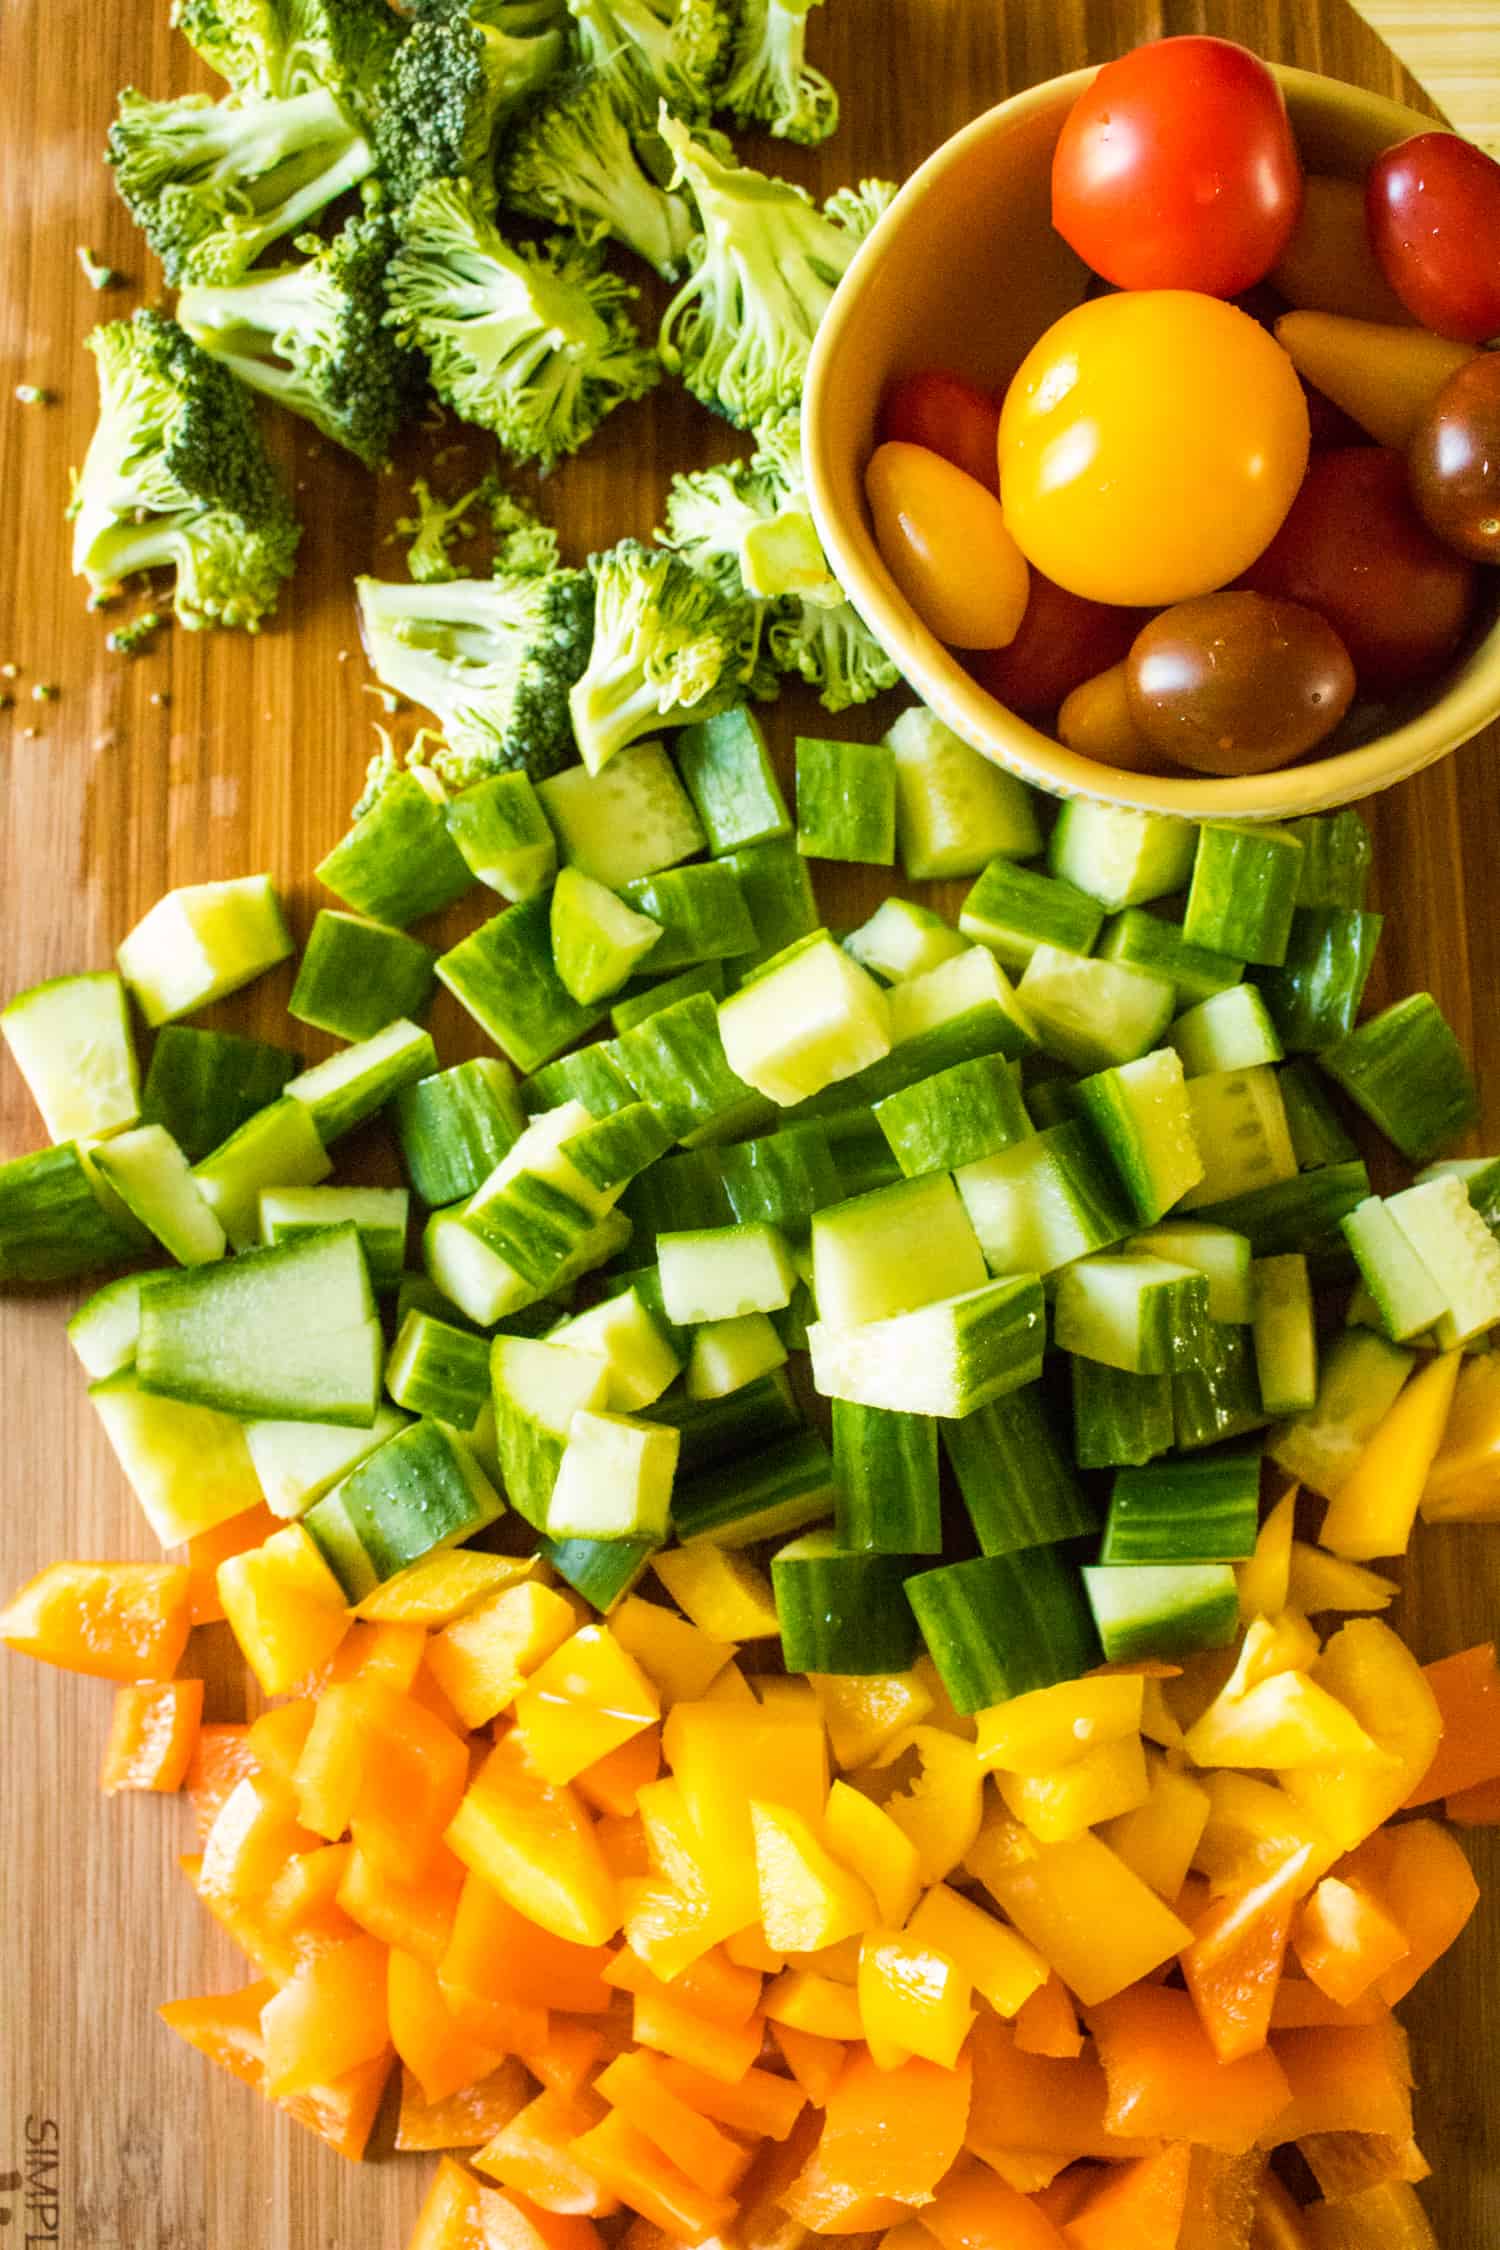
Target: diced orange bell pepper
x=386 y=1651
x=303 y=1902
x=1345 y=2164
x=895 y=2132
x=462 y=2213
x=418 y=1917
x=1234 y=1964
x=535 y=1845
x=668 y=1928
x=864 y=1837
x=1300 y=2006
x=467 y=2119
x=113 y=1621
x=207 y=1549
x=1001 y=1966
x=1066 y=2195
x=498 y=1952
x=152 y=1735
x=221 y=1759
x=1264 y=1580
x=278 y=1738
x=862 y=1712
x=482 y=1660
x=622 y=1839
x=342 y=2113
x=572 y=2051
x=1355 y=2080
x=1379 y=2218
x=1375 y=1507
x=1345 y=1939
x=638 y=2087
x=1463 y=1483
x=1467 y=1688
x=940 y=1809
x=253 y=1836
x=714 y=1986
x=328 y=2017
x=1375 y=1676
x=285 y=1608
x=534 y=2156
x=1048 y=2023
x=1278 y=2218
x=914 y=2000
x=721 y=2050
x=1475 y=1808
x=439 y=2053
x=814 y=2062
x=818 y=2200
x=1221 y=2199
x=806 y=2001
x=1023 y=2101
x=478 y=1972
x=1164 y=2077
x=759 y=2105
x=974 y=2209
x=723 y=1756
x=1158 y=1839
x=1139 y=2207
x=613 y=1783
x=679 y=1658
x=1422 y=1878
x=225 y=2026
x=807 y=1900
x=583 y=1701
x=630 y=2166
x=378 y=1764
x=747 y=1949
x=1083 y=1909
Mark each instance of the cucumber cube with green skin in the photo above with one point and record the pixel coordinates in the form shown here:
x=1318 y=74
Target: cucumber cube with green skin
x=1140 y=940
x=1203 y=1509
x=727 y=772
x=538 y=1388
x=1406 y=1071
x=1017 y=1481
x=280 y=1146
x=862 y=1155
x=591 y=1075
x=1239 y=1126
x=297 y=1462
x=351 y=1086
x=886 y=1470
x=778 y=892
x=719 y=1272
x=1337 y=851
x=701 y=913
x=597 y=940
x=486 y=1287
x=948 y=1359
x=647 y=996
x=1119 y=1420
x=676 y=1061
x=1140 y=1314
x=1318 y=1135
x=1013 y=910
x=1229 y=1031
x=378 y=1215
x=810 y=1018
x=72 y=1043
x=1141 y=1114
x=399 y=862
x=783 y=1177
x=503 y=974
x=1314 y=996
x=152 y=1177
x=188 y=1466
x=356 y=976
x=728 y=1354
x=1041 y=1204
x=1121 y=858
x=1358 y=1383
x=1216 y=1394
x=1458 y=1249
x=454 y=1126
x=611 y=1151
x=846 y=801
x=1004 y=1625
x=1091 y=1014
x=421 y=1490
x=1244 y=890
x=956 y=1117
x=504 y=836
x=890 y=1251
x=614 y=1480
x=201 y=942
x=1162 y=1610
x=204 y=1085
x=105 y=1328
x=781 y=1488
x=840 y=1610
x=640 y=1356
x=1407 y=1298
x=602 y=1571
x=1300 y=1214
x=1284 y=1334
x=632 y=819
x=903 y=940
x=746 y=1423
x=955 y=811
x=1220 y=1255
x=1481 y=1177
x=685 y=1191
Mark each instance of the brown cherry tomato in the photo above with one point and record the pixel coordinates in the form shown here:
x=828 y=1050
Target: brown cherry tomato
x=1096 y=721
x=1237 y=683
x=1354 y=549
x=1433 y=209
x=1063 y=640
x=938 y=409
x=1455 y=461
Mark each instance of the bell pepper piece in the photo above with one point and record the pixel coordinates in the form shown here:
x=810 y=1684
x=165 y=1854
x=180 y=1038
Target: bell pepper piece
x=462 y=2213
x=759 y=2105
x=1463 y=1483
x=1056 y=1726
x=221 y=1759
x=342 y=2113
x=941 y=1809
x=804 y=2001
x=1346 y=2080
x=1475 y=1808
x=807 y=1900
x=152 y=1734
x=285 y=1608
x=1265 y=1578
x=667 y=1927
x=330 y=2016
x=225 y=2026
x=1345 y=1939
x=490 y=1967
x=631 y=2166
x=1375 y=1507
x=583 y=1701
x=207 y=1549
x=731 y=1685
x=1140 y=2206
x=714 y=1986
x=913 y=2001
x=861 y=1834
x=534 y=2156
x=1467 y=1688
x=1389 y=2217
x=895 y=2132
x=1233 y=1967
x=1378 y=1680
x=1221 y=2197
x=1104 y=1783
x=466 y=2119
x=1421 y=1877
x=375 y=1762
x=113 y=1621
x=1087 y=1913
x=1278 y=2218
x=1285 y=1721
x=973 y=2209
x=813 y=2061
x=679 y=1658
x=622 y=1839
x=482 y=1660
x=571 y=2052
x=1165 y=2078
x=1158 y=1839
x=721 y=2050
x=303 y=1902
x=1344 y=2164
x=278 y=1738
x=613 y=1783
x=1047 y=2023
x=440 y=1587
x=535 y=1845
x=439 y=2053
x=723 y=1756
x=253 y=1836
x=1002 y=1968
x=1321 y=1582
x=391 y=1653
x=637 y=2086
x=822 y=2203
x=417 y=1917
x=1034 y=2102
x=1300 y=2006
x=863 y=1711
x=723 y=1594
x=1253 y=1827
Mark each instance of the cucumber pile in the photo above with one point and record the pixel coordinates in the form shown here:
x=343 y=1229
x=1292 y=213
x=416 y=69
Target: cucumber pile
x=1058 y=1209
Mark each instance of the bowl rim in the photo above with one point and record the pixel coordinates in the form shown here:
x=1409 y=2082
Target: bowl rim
x=1469 y=702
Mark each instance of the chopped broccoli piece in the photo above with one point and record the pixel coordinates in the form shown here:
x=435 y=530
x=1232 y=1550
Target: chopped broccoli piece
x=384 y=769
x=669 y=646
x=137 y=638
x=214 y=184
x=740 y=328
x=96 y=272
x=35 y=394
x=277 y=48
x=771 y=82
x=522 y=19
x=525 y=547
x=435 y=526
x=492 y=659
x=654 y=51
x=176 y=476
x=573 y=158
x=532 y=342
x=450 y=86
x=314 y=337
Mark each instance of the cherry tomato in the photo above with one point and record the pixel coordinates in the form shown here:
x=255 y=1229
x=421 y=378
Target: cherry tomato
x=1150 y=446
x=1354 y=549
x=1455 y=461
x=1433 y=208
x=1237 y=683
x=945 y=543
x=1177 y=169
x=1096 y=721
x=949 y=416
x=1329 y=424
x=1063 y=641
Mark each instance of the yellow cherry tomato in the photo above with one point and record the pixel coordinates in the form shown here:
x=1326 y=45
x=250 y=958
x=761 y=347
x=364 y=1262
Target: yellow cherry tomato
x=945 y=543
x=1150 y=447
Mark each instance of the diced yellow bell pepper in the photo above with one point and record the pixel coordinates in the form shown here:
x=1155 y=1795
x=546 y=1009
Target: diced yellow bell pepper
x=866 y=1839
x=1254 y=1827
x=443 y=1586
x=729 y=1686
x=481 y=1661
x=1463 y=1483
x=913 y=2000
x=1106 y=1782
x=667 y=1928
x=941 y=1807
x=789 y=1697
x=679 y=1658
x=285 y=1608
x=804 y=2001
x=587 y=1698
x=862 y=1712
x=1281 y=1722
x=1158 y=1839
x=838 y=1962
x=1321 y=1581
x=724 y=1754
x=1375 y=1508
x=1057 y=1726
x=1263 y=1579
x=725 y=1596
x=1202 y=1678
x=1000 y=1965
x=1087 y=1913
x=807 y=1900
x=747 y=1949
x=1271 y=1644
x=535 y=1845
x=1159 y=1722
x=1377 y=1679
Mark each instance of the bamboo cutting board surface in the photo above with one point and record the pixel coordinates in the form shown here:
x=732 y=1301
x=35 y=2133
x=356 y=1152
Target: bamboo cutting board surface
x=217 y=756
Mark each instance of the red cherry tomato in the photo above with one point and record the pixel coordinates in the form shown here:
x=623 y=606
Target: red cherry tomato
x=1063 y=640
x=1355 y=549
x=1432 y=205
x=1177 y=169
x=949 y=416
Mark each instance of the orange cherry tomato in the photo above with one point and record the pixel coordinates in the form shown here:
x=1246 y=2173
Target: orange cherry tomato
x=945 y=542
x=1150 y=447
x=938 y=409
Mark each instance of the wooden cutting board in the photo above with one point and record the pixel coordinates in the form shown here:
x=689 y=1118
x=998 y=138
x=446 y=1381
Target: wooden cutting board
x=218 y=755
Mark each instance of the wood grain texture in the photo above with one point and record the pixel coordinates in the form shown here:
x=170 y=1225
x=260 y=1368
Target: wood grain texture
x=218 y=755
x=1452 y=47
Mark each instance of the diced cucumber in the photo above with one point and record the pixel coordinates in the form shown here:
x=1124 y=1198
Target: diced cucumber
x=1139 y=940
x=1018 y=1486
x=1141 y=1314
x=1358 y=1384
x=1406 y=1071
x=778 y=892
x=421 y=1490
x=1299 y=1214
x=1046 y=1201
x=727 y=1429
x=1014 y=909
x=503 y=974
x=504 y=836
x=1337 y=849
x=399 y=862
x=954 y=809
x=204 y=1085
x=1217 y=1394
x=727 y=771
x=1141 y=1114
x=53 y=1225
x=1119 y=857
x=1318 y=1135
x=538 y=1388
x=632 y=819
x=1201 y=1510
x=611 y=1151
x=846 y=801
x=641 y=1356
x=152 y=1177
x=279 y=1146
x=1162 y=1610
x=1119 y=1420
x=1091 y=1013
x=682 y=1192
x=1229 y=1031
x=969 y=1000
x=352 y=1085
x=201 y=942
x=781 y=1178
x=948 y=1359
x=650 y=996
x=784 y=1488
x=597 y=940
x=1407 y=1298
x=808 y=1019
x=842 y=1611
x=646 y=1282
x=1219 y=1254
x=861 y=1153
x=591 y=1075
x=886 y=1472
x=602 y=1571
x=701 y=913
x=1239 y=1125
x=356 y=976
x=453 y=1127
x=1004 y=1625
x=889 y=1252
x=614 y=1480
x=1284 y=1334
x=1244 y=890
x=105 y=1328
x=676 y=1061
x=903 y=940
x=1049 y=1092
x=378 y=1216
x=1314 y=996
x=73 y=1045
x=720 y=1272
x=1457 y=1248
x=728 y=1354
x=297 y=1462
x=955 y=1118
x=188 y=1466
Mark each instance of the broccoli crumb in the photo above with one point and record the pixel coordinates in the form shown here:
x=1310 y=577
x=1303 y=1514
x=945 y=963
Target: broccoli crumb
x=136 y=638
x=7 y=701
x=45 y=691
x=387 y=698
x=10 y=671
x=35 y=394
x=96 y=273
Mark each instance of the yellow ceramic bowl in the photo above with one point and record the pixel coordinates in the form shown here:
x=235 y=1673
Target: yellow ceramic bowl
x=965 y=271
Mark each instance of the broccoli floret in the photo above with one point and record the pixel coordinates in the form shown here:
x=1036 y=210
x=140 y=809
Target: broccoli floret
x=522 y=19
x=284 y=47
x=771 y=82
x=214 y=184
x=741 y=327
x=532 y=342
x=176 y=476
x=669 y=646
x=573 y=158
x=435 y=526
x=383 y=769
x=654 y=51
x=493 y=660
x=450 y=86
x=525 y=547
